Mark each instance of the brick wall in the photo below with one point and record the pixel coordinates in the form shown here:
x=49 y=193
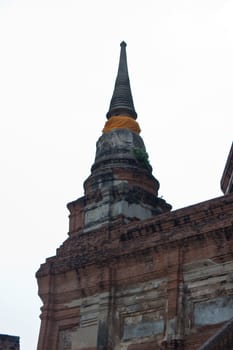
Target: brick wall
x=161 y=283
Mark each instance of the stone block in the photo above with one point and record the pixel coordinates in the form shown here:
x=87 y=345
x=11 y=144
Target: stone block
x=213 y=311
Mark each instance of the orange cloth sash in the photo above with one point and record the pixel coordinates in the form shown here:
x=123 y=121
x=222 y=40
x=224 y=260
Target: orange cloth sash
x=122 y=122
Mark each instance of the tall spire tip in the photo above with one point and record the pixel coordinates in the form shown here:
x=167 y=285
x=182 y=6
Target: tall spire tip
x=122 y=100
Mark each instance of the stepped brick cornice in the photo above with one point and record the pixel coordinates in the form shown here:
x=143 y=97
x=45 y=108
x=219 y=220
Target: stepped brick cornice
x=110 y=243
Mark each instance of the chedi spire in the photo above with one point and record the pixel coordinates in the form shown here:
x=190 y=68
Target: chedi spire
x=121 y=185
x=122 y=100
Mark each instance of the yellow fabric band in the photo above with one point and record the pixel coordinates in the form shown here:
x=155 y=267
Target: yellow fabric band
x=122 y=122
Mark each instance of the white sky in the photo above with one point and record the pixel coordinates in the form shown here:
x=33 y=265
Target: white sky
x=58 y=63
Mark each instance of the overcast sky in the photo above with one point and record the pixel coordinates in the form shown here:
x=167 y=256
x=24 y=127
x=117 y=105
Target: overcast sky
x=58 y=63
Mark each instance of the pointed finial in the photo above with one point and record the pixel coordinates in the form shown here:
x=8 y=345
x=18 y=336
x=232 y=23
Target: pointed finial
x=122 y=100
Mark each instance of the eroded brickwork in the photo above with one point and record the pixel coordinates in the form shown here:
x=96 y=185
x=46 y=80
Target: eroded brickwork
x=151 y=284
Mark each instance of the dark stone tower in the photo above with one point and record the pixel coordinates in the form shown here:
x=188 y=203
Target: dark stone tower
x=121 y=183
